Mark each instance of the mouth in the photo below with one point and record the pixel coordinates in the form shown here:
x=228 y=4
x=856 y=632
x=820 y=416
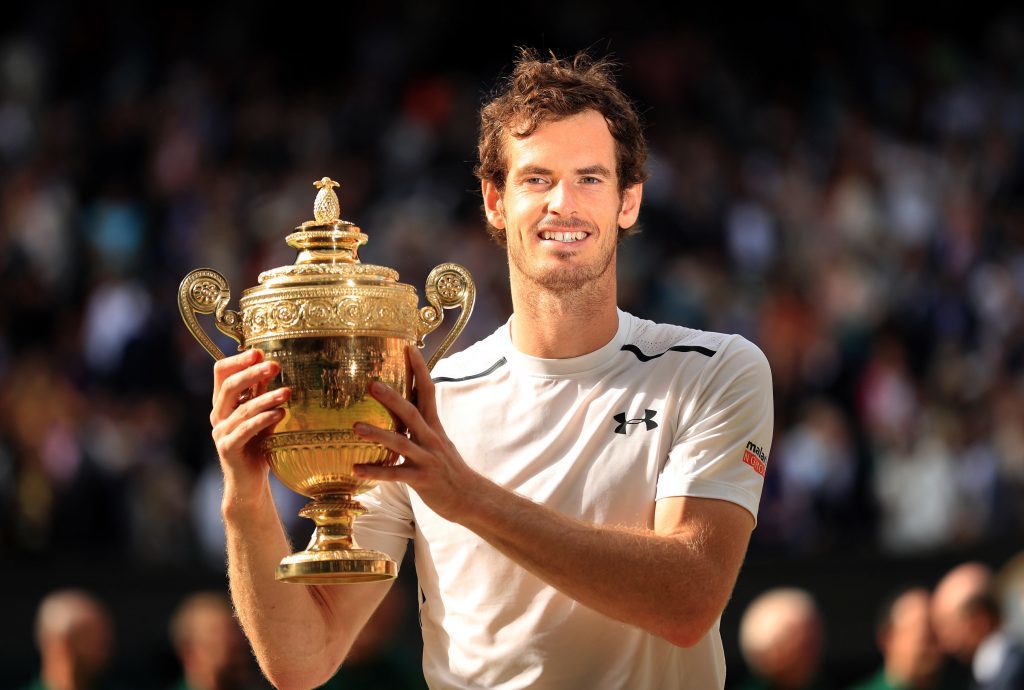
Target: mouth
x=565 y=237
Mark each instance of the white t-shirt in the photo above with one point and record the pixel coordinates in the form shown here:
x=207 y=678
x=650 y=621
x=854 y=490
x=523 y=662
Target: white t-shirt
x=659 y=411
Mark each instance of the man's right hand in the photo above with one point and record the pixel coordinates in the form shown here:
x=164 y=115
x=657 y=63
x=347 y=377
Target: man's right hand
x=299 y=634
x=243 y=411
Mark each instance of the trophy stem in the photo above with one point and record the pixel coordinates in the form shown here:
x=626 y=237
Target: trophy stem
x=333 y=516
x=332 y=556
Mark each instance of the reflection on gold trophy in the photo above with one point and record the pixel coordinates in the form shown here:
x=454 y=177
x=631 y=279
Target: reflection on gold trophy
x=334 y=325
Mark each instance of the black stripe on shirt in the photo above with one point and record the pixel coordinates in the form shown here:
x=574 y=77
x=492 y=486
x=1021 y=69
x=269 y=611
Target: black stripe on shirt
x=677 y=348
x=445 y=379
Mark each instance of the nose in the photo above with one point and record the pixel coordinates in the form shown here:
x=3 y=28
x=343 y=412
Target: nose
x=561 y=199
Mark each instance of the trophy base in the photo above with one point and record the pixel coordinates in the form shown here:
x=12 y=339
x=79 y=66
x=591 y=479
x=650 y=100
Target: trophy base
x=342 y=566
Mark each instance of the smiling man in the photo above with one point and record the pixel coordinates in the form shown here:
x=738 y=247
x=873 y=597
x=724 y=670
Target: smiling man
x=579 y=487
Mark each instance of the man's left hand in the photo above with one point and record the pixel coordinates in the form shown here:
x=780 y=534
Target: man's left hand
x=431 y=464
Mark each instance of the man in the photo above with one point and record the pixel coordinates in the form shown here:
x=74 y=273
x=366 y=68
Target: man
x=968 y=624
x=910 y=652
x=782 y=640
x=210 y=645
x=580 y=486
x=75 y=637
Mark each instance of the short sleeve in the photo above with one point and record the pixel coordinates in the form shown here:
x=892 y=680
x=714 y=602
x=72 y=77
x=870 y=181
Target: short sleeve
x=724 y=435
x=387 y=524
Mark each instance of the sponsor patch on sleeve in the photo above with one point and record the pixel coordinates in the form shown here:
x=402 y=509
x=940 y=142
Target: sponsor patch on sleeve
x=755 y=457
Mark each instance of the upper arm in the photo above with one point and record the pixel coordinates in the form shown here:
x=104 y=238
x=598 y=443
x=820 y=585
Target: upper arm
x=709 y=488
x=347 y=608
x=719 y=530
x=715 y=535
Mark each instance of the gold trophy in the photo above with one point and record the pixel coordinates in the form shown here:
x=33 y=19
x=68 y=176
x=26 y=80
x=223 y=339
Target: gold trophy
x=334 y=325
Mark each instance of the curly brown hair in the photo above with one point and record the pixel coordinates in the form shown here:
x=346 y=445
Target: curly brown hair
x=541 y=90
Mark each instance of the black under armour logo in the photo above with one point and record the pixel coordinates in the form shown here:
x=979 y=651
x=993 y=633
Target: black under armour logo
x=647 y=420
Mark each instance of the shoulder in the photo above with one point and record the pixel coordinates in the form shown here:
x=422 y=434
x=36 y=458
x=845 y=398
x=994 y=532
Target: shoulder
x=649 y=339
x=479 y=359
x=723 y=353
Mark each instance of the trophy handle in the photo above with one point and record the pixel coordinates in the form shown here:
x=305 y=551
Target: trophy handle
x=205 y=291
x=448 y=286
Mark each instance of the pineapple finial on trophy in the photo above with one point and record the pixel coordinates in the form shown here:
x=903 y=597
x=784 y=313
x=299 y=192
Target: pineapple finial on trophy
x=326 y=208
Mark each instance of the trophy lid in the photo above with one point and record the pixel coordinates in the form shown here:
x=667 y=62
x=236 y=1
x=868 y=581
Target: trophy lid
x=327 y=292
x=328 y=249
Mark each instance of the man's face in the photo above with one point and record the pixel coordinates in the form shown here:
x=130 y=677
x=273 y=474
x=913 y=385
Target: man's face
x=561 y=207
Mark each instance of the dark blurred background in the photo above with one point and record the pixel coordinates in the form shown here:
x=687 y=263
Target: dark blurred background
x=842 y=185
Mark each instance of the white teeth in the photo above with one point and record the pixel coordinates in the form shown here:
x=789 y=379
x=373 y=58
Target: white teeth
x=563 y=236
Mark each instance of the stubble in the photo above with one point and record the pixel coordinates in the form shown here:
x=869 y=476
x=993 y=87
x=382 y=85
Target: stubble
x=571 y=278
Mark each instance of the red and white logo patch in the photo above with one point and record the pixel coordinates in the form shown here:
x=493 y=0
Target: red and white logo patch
x=754 y=456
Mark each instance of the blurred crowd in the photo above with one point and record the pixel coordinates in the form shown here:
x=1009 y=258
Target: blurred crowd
x=860 y=217
x=852 y=202
x=76 y=639
x=965 y=634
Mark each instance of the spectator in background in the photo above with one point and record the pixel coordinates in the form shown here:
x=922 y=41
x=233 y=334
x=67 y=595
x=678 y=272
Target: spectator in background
x=1010 y=586
x=75 y=638
x=213 y=652
x=968 y=623
x=910 y=652
x=783 y=641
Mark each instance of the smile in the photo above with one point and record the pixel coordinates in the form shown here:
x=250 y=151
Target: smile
x=564 y=236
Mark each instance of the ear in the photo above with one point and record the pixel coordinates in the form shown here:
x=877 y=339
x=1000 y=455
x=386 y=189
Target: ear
x=630 y=209
x=494 y=208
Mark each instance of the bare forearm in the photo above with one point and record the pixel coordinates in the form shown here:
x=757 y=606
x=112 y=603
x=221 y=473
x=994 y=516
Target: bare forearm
x=285 y=623
x=668 y=585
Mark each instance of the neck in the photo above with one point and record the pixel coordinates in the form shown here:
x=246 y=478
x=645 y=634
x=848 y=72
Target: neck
x=201 y=679
x=558 y=324
x=59 y=674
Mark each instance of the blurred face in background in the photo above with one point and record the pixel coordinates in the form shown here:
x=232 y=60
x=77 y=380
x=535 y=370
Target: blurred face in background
x=89 y=645
x=782 y=638
x=912 y=655
x=214 y=654
x=959 y=628
x=75 y=636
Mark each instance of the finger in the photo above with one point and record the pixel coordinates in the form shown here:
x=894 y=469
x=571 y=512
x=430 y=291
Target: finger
x=405 y=411
x=399 y=443
x=223 y=368
x=382 y=473
x=246 y=410
x=262 y=385
x=393 y=473
x=239 y=382
x=424 y=386
x=232 y=443
x=261 y=403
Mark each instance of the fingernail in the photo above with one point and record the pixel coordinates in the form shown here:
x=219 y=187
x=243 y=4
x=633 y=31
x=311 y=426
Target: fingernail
x=376 y=387
x=360 y=428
